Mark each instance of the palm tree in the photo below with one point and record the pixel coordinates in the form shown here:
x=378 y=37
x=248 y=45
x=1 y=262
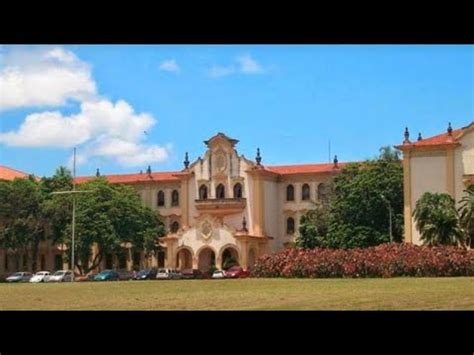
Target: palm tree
x=437 y=220
x=466 y=211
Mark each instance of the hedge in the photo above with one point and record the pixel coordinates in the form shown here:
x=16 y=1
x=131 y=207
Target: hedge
x=385 y=260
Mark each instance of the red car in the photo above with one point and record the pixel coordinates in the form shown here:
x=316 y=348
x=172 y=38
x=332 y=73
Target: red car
x=236 y=272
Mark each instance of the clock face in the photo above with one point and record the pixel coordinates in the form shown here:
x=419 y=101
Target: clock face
x=220 y=162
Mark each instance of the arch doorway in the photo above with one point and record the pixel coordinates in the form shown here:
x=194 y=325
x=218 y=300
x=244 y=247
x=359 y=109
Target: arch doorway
x=207 y=259
x=184 y=259
x=230 y=257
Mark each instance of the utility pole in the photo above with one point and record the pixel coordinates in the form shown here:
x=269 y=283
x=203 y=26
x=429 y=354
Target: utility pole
x=73 y=226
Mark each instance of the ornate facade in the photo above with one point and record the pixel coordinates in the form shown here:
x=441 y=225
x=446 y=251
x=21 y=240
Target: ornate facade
x=220 y=206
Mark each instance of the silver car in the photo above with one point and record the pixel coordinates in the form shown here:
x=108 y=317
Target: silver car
x=168 y=274
x=20 y=277
x=61 y=276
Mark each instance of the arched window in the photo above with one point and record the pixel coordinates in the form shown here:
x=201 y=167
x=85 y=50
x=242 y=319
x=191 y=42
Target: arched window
x=323 y=193
x=175 y=198
x=290 y=226
x=220 y=191
x=305 y=192
x=174 y=227
x=238 y=190
x=290 y=193
x=203 y=192
x=161 y=198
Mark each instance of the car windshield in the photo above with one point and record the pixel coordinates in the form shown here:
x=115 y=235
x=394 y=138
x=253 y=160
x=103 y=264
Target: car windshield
x=40 y=273
x=162 y=271
x=18 y=274
x=59 y=273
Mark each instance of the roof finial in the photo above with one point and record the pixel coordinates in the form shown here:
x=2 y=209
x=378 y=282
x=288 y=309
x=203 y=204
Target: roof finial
x=335 y=161
x=244 y=224
x=148 y=170
x=450 y=129
x=186 y=161
x=407 y=136
x=258 y=158
x=97 y=173
x=419 y=136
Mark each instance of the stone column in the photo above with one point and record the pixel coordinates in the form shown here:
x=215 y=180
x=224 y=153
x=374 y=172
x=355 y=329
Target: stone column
x=407 y=197
x=129 y=259
x=219 y=262
x=244 y=254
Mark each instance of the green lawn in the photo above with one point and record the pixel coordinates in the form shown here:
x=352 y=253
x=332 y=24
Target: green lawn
x=244 y=294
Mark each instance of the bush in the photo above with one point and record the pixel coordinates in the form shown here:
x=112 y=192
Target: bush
x=385 y=260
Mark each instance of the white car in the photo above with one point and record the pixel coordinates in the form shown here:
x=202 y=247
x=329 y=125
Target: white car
x=41 y=276
x=168 y=274
x=218 y=274
x=61 y=276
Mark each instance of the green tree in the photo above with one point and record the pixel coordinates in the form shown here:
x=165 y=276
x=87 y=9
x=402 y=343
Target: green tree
x=359 y=211
x=22 y=223
x=313 y=229
x=387 y=153
x=466 y=212
x=437 y=220
x=107 y=217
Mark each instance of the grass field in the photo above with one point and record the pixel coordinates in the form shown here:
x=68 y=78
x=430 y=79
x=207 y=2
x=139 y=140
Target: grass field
x=244 y=294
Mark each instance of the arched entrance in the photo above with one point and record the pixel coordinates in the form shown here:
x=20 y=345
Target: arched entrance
x=229 y=257
x=251 y=259
x=207 y=258
x=184 y=259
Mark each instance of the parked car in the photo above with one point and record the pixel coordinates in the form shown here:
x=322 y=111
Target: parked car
x=20 y=277
x=40 y=276
x=125 y=275
x=168 y=274
x=146 y=274
x=191 y=274
x=61 y=276
x=218 y=274
x=236 y=272
x=107 y=275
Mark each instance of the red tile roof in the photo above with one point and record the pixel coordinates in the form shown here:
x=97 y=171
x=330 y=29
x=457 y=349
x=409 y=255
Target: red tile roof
x=304 y=168
x=10 y=174
x=133 y=178
x=438 y=140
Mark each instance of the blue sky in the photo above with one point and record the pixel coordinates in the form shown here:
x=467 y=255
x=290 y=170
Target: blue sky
x=287 y=100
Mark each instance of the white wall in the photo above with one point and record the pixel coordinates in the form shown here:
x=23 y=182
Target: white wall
x=428 y=174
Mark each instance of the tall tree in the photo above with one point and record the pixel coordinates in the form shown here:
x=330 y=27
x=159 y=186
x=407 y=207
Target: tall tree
x=107 y=217
x=466 y=211
x=359 y=212
x=22 y=224
x=437 y=220
x=387 y=153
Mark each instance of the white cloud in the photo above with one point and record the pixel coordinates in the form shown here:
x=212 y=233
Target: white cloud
x=169 y=66
x=244 y=64
x=43 y=77
x=248 y=65
x=103 y=129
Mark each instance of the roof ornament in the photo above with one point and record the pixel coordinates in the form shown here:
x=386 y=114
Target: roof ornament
x=335 y=162
x=148 y=170
x=419 y=136
x=97 y=173
x=450 y=129
x=407 y=136
x=186 y=161
x=258 y=158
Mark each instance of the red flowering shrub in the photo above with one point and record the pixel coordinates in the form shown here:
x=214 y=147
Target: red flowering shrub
x=385 y=260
